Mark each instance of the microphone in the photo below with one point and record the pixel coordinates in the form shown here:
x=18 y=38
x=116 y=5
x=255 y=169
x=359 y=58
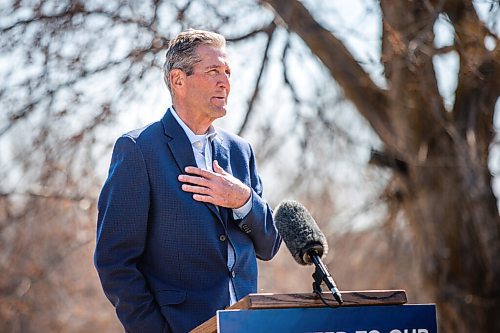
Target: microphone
x=305 y=241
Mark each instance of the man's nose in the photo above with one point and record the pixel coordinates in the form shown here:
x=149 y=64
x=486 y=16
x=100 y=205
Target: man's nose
x=223 y=81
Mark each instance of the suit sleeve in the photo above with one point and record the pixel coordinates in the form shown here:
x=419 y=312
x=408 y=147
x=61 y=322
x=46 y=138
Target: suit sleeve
x=258 y=224
x=121 y=235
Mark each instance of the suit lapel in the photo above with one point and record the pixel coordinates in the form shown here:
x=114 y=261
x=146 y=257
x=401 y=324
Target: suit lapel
x=178 y=142
x=181 y=149
x=221 y=154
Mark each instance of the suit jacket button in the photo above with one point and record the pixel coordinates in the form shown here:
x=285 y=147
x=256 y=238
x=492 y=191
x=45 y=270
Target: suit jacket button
x=222 y=238
x=233 y=274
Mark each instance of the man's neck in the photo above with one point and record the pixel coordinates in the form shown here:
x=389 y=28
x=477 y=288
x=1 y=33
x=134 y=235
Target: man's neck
x=198 y=126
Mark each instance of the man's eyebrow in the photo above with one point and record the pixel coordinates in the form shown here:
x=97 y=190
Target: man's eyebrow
x=216 y=66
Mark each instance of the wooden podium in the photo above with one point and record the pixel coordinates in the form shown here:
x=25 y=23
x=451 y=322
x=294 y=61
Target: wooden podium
x=373 y=311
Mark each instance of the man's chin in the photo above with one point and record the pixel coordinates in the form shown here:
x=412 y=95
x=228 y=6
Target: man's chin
x=219 y=111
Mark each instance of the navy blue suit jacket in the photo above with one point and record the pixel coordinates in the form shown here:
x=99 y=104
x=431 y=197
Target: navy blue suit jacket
x=162 y=256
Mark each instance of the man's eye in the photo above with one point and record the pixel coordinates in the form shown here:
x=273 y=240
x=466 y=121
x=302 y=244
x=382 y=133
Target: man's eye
x=213 y=72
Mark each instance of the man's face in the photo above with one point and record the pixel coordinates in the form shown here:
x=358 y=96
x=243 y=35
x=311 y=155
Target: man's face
x=207 y=89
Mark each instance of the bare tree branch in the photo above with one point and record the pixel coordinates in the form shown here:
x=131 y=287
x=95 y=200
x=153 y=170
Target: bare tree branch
x=268 y=30
x=370 y=100
x=257 y=82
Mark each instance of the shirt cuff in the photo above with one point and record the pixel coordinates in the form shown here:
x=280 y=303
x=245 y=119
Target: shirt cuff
x=242 y=212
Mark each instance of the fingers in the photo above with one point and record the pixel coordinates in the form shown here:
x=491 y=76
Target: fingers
x=204 y=198
x=199 y=183
x=202 y=176
x=196 y=189
x=196 y=176
x=217 y=168
x=200 y=193
x=194 y=180
x=198 y=172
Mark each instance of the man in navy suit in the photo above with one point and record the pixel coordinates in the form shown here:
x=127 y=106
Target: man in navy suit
x=181 y=216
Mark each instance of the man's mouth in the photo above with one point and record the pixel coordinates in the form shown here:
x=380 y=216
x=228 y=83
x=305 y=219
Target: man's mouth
x=219 y=101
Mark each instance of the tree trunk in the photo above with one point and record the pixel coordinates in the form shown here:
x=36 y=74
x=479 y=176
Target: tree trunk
x=447 y=194
x=455 y=227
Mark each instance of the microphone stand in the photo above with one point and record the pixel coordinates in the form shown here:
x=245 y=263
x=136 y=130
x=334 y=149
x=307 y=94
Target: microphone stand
x=320 y=275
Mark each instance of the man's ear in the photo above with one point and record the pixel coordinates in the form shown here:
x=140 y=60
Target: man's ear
x=177 y=80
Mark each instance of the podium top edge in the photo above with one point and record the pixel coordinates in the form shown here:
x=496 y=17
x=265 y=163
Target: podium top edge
x=301 y=300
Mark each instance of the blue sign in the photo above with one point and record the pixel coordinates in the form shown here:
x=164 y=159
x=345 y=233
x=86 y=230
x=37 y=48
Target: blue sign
x=363 y=319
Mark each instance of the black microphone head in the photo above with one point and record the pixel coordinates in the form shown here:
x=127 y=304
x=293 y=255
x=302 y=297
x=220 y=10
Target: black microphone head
x=299 y=231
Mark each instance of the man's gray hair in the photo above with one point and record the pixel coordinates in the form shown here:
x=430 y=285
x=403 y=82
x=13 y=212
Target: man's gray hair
x=181 y=52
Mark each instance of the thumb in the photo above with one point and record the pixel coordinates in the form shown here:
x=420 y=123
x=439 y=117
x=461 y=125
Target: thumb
x=217 y=168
